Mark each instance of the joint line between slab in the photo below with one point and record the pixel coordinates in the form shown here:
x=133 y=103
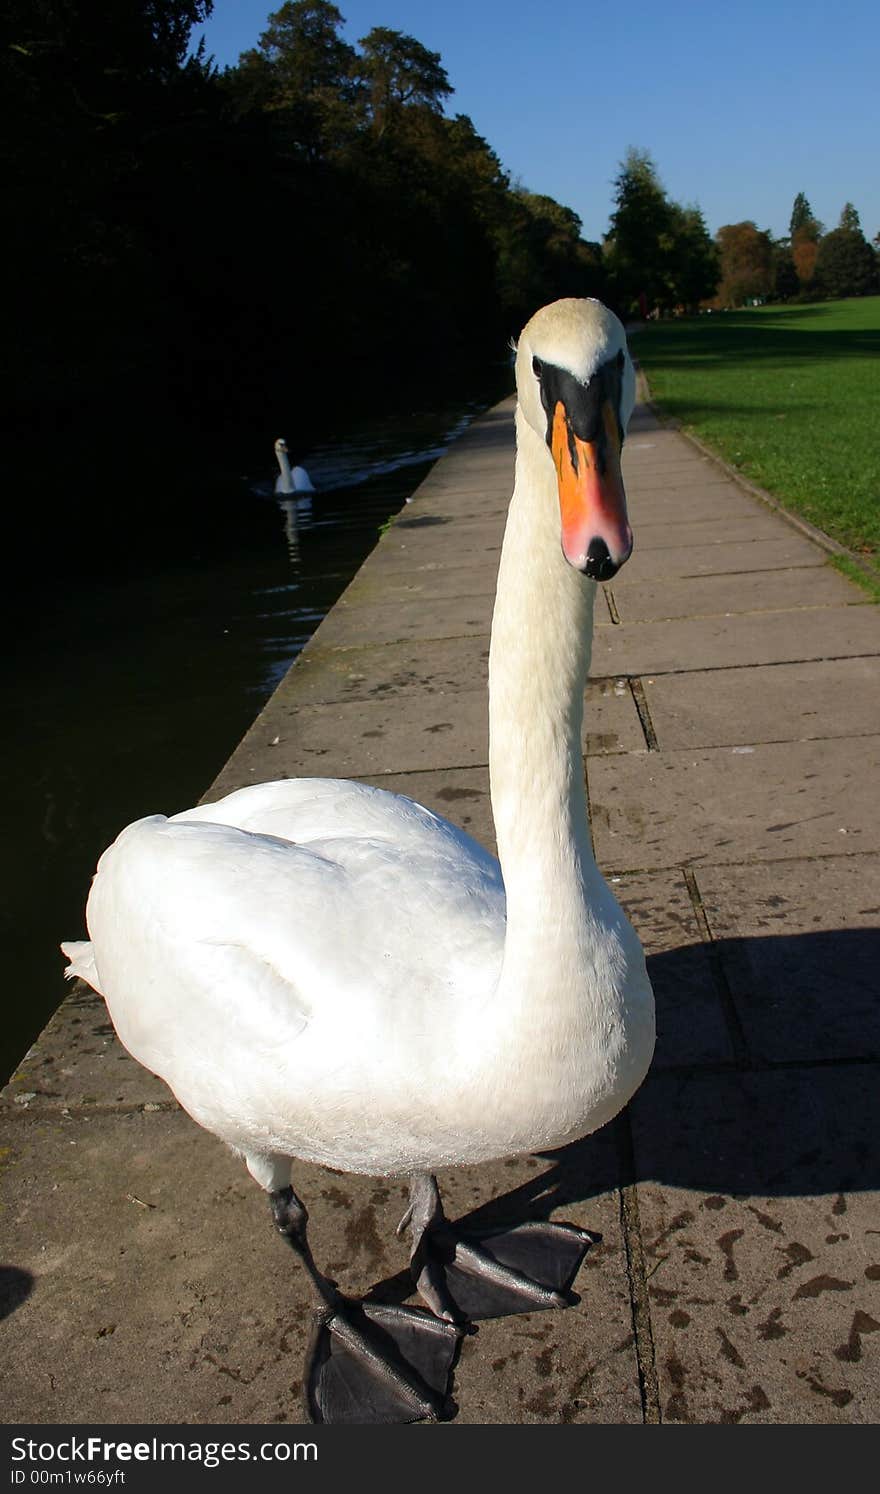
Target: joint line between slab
x=728 y=1005
x=640 y=701
x=643 y=1333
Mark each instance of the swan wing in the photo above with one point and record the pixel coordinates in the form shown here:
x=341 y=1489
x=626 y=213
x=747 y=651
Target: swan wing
x=222 y=950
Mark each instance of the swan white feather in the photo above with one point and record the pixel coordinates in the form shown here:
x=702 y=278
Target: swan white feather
x=327 y=971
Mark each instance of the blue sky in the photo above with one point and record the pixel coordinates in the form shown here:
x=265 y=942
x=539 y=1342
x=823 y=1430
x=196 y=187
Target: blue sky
x=741 y=105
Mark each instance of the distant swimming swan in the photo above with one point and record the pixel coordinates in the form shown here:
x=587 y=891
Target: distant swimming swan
x=290 y=479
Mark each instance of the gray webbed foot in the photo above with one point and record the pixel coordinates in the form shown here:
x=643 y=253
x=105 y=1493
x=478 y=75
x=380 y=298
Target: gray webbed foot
x=463 y=1276
x=368 y=1363
x=372 y=1363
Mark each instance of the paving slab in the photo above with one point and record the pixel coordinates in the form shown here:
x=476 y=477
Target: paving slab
x=777 y=703
x=800 y=946
x=426 y=617
x=720 y=529
x=327 y=675
x=371 y=586
x=405 y=731
x=692 y=1026
x=745 y=639
x=686 y=505
x=76 y=1064
x=723 y=596
x=772 y=802
x=663 y=482
x=757 y=1199
x=716 y=559
x=423 y=548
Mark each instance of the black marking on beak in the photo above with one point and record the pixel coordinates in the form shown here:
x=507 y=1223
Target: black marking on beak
x=583 y=404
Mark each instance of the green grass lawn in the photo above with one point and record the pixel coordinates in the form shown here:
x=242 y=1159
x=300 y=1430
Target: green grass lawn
x=790 y=395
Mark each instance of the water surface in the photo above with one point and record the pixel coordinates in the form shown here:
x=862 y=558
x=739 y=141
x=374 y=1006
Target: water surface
x=132 y=685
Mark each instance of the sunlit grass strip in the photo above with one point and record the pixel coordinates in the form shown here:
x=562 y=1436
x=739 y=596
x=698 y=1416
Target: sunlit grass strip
x=789 y=395
x=869 y=580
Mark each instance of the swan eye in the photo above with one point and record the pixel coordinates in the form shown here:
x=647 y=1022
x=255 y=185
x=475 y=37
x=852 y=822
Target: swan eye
x=537 y=367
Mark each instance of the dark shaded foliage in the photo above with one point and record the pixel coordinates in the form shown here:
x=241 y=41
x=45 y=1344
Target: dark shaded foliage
x=197 y=256
x=659 y=254
x=846 y=265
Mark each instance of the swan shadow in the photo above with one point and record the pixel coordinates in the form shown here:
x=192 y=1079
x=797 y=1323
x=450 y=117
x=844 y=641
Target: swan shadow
x=783 y=1099
x=16 y=1286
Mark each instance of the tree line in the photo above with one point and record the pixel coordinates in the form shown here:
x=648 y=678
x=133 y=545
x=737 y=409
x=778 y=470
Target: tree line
x=808 y=264
x=293 y=237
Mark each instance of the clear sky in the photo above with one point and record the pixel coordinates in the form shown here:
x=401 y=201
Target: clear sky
x=741 y=105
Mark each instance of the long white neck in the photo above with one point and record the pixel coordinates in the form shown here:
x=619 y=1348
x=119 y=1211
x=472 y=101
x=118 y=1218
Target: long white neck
x=286 y=481
x=538 y=664
x=560 y=913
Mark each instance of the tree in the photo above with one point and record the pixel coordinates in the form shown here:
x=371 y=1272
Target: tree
x=846 y=265
x=805 y=230
x=640 y=232
x=849 y=218
x=803 y=221
x=399 y=72
x=804 y=253
x=694 y=261
x=656 y=247
x=748 y=266
x=786 y=283
x=303 y=68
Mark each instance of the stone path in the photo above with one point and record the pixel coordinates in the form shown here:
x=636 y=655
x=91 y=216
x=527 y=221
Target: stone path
x=730 y=740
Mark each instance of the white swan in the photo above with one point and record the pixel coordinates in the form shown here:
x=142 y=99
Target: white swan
x=327 y=971
x=290 y=479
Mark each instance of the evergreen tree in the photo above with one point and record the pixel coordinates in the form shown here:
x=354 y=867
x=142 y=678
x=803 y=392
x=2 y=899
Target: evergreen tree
x=639 y=234
x=803 y=221
x=849 y=219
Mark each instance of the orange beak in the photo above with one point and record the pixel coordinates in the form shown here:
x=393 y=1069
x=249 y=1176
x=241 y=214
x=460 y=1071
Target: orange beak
x=596 y=537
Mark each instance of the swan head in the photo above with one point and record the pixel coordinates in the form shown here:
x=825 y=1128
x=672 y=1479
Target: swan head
x=280 y=445
x=576 y=388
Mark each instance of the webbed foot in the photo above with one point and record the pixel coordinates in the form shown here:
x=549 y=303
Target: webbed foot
x=368 y=1363
x=372 y=1363
x=462 y=1275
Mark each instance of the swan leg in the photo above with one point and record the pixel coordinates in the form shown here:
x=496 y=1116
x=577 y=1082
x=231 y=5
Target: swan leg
x=368 y=1362
x=461 y=1276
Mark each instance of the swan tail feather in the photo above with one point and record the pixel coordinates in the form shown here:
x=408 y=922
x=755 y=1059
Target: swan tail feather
x=82 y=962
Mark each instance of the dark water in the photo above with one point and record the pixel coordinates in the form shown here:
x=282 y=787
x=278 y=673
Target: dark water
x=128 y=691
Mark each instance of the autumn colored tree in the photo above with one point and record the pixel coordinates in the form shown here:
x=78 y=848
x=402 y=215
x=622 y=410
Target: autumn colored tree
x=748 y=266
x=804 y=253
x=805 y=230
